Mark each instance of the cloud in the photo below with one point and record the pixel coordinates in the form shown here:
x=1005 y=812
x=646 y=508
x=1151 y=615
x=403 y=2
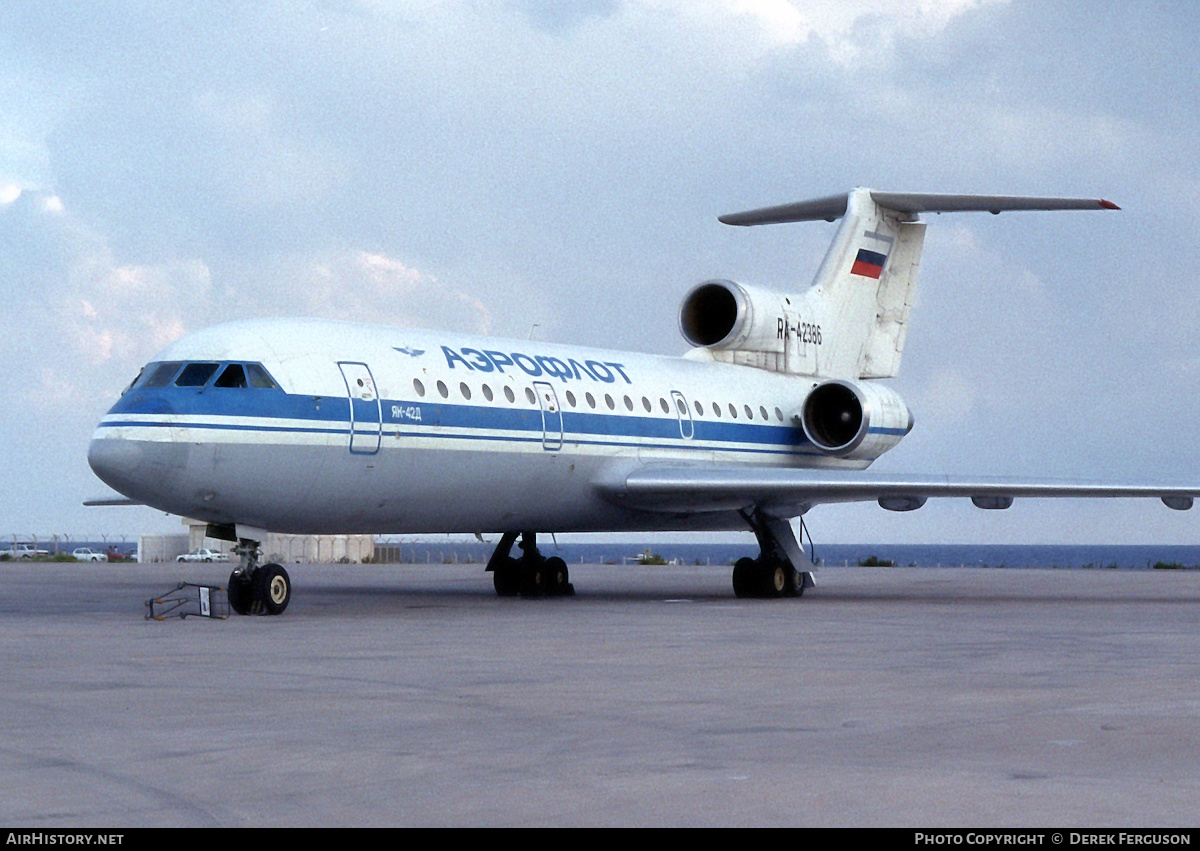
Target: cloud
x=373 y=287
x=486 y=167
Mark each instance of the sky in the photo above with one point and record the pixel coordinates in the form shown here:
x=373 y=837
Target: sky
x=491 y=167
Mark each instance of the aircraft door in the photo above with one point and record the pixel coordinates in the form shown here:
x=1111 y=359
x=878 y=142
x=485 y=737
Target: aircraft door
x=552 y=424
x=366 y=417
x=686 y=427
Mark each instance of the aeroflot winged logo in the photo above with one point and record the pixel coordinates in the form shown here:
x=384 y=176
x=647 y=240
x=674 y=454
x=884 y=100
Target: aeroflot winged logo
x=412 y=353
x=570 y=369
x=869 y=264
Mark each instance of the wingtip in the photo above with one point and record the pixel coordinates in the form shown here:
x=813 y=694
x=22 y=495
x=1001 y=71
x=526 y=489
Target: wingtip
x=1108 y=205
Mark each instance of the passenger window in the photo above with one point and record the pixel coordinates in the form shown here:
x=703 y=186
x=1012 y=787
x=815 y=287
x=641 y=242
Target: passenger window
x=487 y=392
x=779 y=415
x=195 y=375
x=465 y=390
x=749 y=413
x=163 y=373
x=441 y=386
x=646 y=404
x=419 y=387
x=529 y=394
x=232 y=376
x=608 y=400
x=763 y=411
x=716 y=410
x=508 y=394
x=570 y=398
x=628 y=404
x=666 y=408
x=732 y=411
x=259 y=378
x=591 y=400
x=699 y=409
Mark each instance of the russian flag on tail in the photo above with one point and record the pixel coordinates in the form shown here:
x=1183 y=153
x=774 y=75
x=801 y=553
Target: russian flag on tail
x=869 y=264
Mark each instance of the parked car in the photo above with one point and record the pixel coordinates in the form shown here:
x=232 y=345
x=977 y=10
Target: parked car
x=26 y=551
x=203 y=554
x=88 y=554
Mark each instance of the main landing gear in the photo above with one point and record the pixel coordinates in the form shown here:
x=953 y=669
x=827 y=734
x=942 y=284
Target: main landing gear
x=774 y=573
x=531 y=575
x=256 y=589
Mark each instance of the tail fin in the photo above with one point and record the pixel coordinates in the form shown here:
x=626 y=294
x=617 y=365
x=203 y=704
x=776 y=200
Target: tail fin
x=863 y=291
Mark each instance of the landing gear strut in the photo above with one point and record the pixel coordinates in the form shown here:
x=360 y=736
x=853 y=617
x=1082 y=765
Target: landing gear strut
x=775 y=573
x=256 y=589
x=531 y=575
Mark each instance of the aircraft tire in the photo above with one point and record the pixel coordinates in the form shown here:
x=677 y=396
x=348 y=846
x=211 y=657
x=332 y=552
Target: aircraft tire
x=744 y=572
x=507 y=578
x=273 y=588
x=773 y=578
x=533 y=579
x=239 y=592
x=556 y=577
x=792 y=586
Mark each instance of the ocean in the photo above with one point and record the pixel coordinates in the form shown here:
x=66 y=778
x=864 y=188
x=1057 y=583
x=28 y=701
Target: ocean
x=1098 y=556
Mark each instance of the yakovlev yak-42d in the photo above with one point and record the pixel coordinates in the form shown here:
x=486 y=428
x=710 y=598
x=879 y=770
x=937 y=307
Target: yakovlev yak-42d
x=306 y=426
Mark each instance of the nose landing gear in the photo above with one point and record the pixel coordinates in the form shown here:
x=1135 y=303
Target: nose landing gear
x=256 y=589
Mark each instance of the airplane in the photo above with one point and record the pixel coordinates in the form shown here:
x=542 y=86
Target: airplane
x=312 y=426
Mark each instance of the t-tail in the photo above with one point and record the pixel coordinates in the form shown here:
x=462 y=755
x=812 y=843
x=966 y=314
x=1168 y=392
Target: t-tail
x=852 y=323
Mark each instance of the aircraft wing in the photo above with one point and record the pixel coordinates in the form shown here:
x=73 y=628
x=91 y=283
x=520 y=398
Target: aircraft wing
x=105 y=501
x=789 y=492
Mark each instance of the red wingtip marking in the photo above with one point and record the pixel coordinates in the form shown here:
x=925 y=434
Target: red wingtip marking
x=1108 y=205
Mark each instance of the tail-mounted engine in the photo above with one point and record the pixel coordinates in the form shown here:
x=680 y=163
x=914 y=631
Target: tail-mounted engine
x=740 y=324
x=852 y=420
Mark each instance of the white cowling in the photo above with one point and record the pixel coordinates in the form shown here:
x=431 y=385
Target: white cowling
x=850 y=419
x=725 y=315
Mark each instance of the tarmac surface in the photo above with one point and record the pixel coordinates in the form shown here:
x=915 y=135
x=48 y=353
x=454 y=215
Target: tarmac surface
x=412 y=695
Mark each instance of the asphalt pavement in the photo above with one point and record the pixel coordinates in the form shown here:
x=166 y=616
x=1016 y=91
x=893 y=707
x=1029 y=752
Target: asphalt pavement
x=412 y=695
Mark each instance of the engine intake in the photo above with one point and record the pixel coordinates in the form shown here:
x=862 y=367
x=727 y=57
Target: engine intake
x=721 y=314
x=711 y=313
x=852 y=420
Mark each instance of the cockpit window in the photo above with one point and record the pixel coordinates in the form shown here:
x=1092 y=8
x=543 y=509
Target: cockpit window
x=195 y=374
x=162 y=374
x=136 y=379
x=260 y=378
x=233 y=376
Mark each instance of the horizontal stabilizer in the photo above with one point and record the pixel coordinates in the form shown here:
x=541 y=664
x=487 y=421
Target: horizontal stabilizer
x=909 y=204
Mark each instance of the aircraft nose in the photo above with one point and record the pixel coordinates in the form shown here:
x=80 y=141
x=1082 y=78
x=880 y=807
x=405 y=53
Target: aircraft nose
x=115 y=462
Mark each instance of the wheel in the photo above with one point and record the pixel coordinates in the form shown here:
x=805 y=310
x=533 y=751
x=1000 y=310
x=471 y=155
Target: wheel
x=556 y=577
x=774 y=578
x=240 y=592
x=273 y=588
x=744 y=572
x=794 y=586
x=507 y=578
x=533 y=578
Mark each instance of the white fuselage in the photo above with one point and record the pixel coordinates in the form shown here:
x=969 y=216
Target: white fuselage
x=394 y=430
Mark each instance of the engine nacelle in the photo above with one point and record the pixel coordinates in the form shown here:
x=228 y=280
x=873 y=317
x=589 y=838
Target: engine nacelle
x=724 y=315
x=852 y=420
